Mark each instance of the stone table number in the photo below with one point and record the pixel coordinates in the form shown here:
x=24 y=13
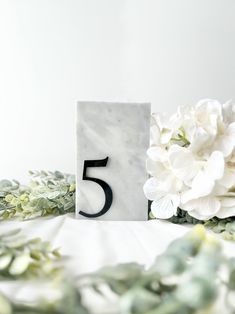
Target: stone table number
x=112 y=139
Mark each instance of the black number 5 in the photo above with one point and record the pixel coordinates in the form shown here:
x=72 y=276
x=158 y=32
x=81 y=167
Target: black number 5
x=106 y=188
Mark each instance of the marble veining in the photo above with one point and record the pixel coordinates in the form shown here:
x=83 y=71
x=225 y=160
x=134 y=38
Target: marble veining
x=119 y=131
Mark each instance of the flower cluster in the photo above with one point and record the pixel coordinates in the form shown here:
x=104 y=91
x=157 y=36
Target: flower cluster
x=191 y=161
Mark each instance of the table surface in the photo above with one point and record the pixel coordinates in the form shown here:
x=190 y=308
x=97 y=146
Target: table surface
x=90 y=245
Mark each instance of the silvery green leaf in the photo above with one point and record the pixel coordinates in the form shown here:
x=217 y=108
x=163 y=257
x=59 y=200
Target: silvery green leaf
x=5 y=306
x=19 y=264
x=171 y=306
x=36 y=254
x=206 y=266
x=71 y=179
x=122 y=276
x=122 y=271
x=184 y=247
x=51 y=195
x=71 y=302
x=10 y=233
x=231 y=268
x=119 y=278
x=169 y=264
x=35 y=241
x=138 y=301
x=59 y=175
x=197 y=292
x=17 y=243
x=5 y=184
x=44 y=173
x=5 y=261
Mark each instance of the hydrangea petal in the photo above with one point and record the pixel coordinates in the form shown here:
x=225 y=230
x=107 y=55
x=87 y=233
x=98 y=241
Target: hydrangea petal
x=154 y=168
x=227 y=201
x=215 y=165
x=182 y=162
x=228 y=112
x=195 y=214
x=203 y=208
x=211 y=106
x=165 y=206
x=231 y=129
x=157 y=153
x=200 y=138
x=166 y=136
x=225 y=212
x=155 y=135
x=225 y=144
x=228 y=179
x=202 y=185
x=151 y=188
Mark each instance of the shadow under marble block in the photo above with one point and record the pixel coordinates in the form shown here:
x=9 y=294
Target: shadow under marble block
x=112 y=139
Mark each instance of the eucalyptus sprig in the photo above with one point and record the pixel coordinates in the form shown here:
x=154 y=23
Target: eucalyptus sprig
x=69 y=302
x=49 y=193
x=37 y=263
x=185 y=279
x=225 y=227
x=188 y=278
x=22 y=258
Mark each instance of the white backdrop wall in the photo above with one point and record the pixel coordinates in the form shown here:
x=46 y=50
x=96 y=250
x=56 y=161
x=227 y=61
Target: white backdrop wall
x=55 y=52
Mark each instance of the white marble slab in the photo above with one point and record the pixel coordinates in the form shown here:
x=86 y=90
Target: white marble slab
x=119 y=131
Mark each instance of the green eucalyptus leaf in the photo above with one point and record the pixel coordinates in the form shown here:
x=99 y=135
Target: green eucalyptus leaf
x=5 y=261
x=5 y=184
x=19 y=264
x=138 y=301
x=5 y=306
x=197 y=293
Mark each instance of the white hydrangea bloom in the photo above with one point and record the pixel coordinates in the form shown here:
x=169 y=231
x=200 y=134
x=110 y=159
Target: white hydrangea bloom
x=192 y=161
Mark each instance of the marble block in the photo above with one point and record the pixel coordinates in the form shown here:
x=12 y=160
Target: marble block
x=112 y=139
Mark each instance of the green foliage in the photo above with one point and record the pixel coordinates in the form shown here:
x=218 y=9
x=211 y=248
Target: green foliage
x=225 y=227
x=49 y=193
x=21 y=258
x=53 y=193
x=69 y=303
x=182 y=217
x=36 y=262
x=185 y=279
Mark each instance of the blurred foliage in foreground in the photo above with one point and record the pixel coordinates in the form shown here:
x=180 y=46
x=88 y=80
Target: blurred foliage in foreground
x=36 y=264
x=191 y=276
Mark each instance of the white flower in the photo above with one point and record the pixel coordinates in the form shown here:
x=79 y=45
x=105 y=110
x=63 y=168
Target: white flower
x=192 y=161
x=225 y=142
x=204 y=181
x=164 y=204
x=183 y=164
x=203 y=208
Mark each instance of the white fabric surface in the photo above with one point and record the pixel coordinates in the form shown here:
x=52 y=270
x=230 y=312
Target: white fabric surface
x=91 y=244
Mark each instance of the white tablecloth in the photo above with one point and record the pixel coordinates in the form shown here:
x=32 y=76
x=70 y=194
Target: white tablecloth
x=91 y=244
